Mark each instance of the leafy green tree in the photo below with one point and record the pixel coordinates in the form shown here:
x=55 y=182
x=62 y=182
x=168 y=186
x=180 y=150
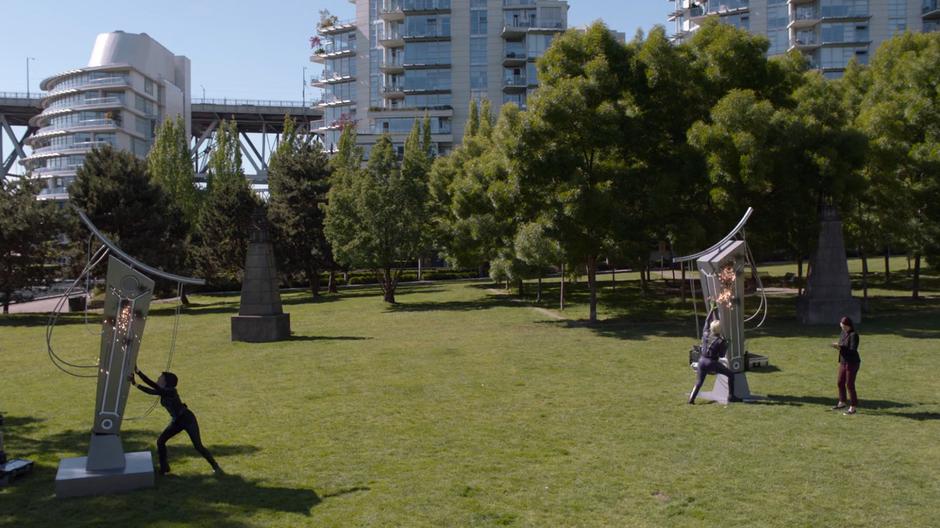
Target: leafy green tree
x=29 y=230
x=572 y=152
x=535 y=247
x=170 y=165
x=899 y=113
x=114 y=189
x=298 y=182
x=375 y=217
x=224 y=223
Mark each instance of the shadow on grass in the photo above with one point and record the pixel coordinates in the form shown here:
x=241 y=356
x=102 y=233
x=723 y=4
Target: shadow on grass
x=453 y=306
x=919 y=416
x=829 y=401
x=19 y=432
x=226 y=501
x=626 y=329
x=327 y=338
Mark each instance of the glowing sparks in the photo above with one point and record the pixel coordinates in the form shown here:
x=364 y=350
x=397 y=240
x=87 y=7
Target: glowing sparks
x=727 y=278
x=123 y=323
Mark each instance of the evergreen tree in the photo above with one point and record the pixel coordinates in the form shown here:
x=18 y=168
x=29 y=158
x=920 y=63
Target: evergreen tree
x=29 y=230
x=224 y=223
x=298 y=181
x=117 y=194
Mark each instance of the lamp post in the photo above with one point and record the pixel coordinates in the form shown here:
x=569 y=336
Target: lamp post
x=203 y=93
x=303 y=96
x=27 y=74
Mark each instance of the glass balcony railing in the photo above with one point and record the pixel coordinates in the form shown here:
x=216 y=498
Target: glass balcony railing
x=843 y=11
x=804 y=14
x=425 y=5
x=930 y=6
x=514 y=81
x=726 y=5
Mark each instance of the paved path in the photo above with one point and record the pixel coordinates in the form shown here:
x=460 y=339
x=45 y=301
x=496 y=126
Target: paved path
x=544 y=311
x=41 y=306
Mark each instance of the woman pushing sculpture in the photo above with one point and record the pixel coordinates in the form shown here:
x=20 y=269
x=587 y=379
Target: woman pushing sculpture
x=181 y=418
x=714 y=347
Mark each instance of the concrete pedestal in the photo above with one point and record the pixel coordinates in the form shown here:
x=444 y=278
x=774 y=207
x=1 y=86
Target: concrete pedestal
x=260 y=328
x=828 y=295
x=74 y=480
x=261 y=317
x=720 y=392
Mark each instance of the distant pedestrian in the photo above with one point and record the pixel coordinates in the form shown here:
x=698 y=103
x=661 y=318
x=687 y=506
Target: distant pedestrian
x=849 y=363
x=181 y=418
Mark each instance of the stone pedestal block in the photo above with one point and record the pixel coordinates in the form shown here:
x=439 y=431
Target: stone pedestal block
x=261 y=317
x=74 y=480
x=260 y=328
x=828 y=295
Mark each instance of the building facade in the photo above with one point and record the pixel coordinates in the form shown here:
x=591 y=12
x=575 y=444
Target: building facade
x=400 y=60
x=830 y=33
x=130 y=85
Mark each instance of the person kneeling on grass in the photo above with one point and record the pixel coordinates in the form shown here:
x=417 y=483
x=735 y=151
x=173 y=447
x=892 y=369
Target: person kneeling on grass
x=708 y=363
x=181 y=418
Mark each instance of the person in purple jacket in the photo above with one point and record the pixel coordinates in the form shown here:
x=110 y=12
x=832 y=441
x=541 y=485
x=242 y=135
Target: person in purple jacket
x=849 y=363
x=181 y=418
x=713 y=349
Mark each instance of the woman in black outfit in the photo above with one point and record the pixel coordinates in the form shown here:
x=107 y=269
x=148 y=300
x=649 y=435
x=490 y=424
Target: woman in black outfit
x=849 y=363
x=181 y=418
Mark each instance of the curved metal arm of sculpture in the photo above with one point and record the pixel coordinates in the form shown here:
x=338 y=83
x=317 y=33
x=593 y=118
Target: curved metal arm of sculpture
x=150 y=270
x=737 y=229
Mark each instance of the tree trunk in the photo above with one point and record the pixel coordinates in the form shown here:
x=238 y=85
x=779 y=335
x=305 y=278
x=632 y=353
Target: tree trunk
x=888 y=266
x=538 y=295
x=184 y=299
x=331 y=286
x=592 y=285
x=6 y=305
x=419 y=268
x=521 y=284
x=643 y=279
x=346 y=278
x=916 y=285
x=682 y=285
x=314 y=276
x=613 y=277
x=481 y=271
x=388 y=285
x=861 y=253
x=799 y=276
x=561 y=297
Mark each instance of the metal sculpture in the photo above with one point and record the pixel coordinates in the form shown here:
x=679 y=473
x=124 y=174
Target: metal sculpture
x=129 y=289
x=721 y=270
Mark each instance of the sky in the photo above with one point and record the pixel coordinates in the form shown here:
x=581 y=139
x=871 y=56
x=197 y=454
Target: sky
x=239 y=49
x=244 y=49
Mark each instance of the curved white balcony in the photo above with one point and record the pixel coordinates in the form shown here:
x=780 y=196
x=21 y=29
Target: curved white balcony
x=80 y=126
x=92 y=84
x=99 y=103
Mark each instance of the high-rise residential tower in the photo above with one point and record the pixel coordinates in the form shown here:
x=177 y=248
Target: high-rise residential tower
x=400 y=60
x=131 y=84
x=829 y=32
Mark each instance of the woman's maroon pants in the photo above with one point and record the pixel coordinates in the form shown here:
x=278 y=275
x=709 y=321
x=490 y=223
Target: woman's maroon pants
x=847 y=374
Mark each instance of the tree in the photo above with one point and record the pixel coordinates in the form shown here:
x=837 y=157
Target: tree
x=116 y=192
x=170 y=165
x=375 y=217
x=29 y=230
x=298 y=182
x=224 y=224
x=899 y=113
x=572 y=134
x=535 y=247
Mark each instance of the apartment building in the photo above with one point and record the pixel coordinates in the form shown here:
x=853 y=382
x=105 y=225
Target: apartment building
x=130 y=85
x=399 y=60
x=829 y=32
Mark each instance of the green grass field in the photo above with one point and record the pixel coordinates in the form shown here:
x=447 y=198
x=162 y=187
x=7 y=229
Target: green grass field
x=461 y=407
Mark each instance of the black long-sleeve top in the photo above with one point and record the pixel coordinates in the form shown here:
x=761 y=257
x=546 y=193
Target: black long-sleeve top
x=169 y=398
x=848 y=347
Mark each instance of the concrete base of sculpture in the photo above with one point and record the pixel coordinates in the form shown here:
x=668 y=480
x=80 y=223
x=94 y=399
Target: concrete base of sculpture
x=719 y=392
x=12 y=469
x=828 y=311
x=261 y=328
x=74 y=480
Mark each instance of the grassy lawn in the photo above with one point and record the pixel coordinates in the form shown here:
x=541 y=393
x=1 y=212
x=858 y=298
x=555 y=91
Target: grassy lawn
x=461 y=407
